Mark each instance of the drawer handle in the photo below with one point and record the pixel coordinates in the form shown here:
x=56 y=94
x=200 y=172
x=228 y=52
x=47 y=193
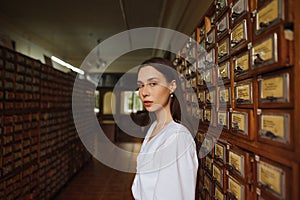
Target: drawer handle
x=264 y=25
x=271 y=98
x=240 y=100
x=258 y=59
x=207 y=43
x=235 y=126
x=235 y=15
x=208 y=101
x=222 y=100
x=218 y=6
x=221 y=54
x=270 y=135
x=235 y=42
x=231 y=195
x=239 y=70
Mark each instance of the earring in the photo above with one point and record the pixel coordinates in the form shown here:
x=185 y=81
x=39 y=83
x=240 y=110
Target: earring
x=172 y=95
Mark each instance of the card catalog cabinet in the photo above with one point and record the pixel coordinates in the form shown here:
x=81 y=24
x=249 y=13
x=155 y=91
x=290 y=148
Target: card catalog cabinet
x=247 y=78
x=37 y=133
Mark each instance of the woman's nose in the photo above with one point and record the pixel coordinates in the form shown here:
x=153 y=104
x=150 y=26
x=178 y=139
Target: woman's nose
x=145 y=91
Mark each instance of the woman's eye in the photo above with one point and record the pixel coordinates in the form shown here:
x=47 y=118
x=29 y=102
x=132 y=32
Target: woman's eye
x=140 y=85
x=152 y=84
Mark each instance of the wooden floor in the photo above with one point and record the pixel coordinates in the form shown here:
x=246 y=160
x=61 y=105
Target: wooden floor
x=98 y=182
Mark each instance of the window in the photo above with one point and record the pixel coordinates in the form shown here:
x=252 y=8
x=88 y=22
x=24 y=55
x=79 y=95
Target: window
x=130 y=102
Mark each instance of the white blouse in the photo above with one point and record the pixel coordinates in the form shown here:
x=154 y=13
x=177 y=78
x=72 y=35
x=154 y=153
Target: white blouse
x=166 y=165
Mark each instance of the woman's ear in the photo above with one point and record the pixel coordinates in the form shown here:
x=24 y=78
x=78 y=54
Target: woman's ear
x=172 y=86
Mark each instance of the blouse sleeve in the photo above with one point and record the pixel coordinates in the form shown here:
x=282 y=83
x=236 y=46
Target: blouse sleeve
x=177 y=181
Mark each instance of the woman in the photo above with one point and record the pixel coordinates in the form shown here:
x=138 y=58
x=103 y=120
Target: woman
x=167 y=163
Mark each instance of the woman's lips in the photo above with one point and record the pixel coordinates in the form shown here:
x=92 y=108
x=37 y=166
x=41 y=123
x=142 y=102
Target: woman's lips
x=147 y=103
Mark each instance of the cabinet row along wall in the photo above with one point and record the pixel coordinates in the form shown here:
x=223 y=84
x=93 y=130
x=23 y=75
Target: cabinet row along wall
x=240 y=62
x=39 y=146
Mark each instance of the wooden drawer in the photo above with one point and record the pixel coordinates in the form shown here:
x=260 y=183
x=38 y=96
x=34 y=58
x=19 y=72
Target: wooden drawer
x=273 y=179
x=207 y=147
x=10 y=55
x=223 y=49
x=210 y=19
x=243 y=93
x=201 y=97
x=208 y=164
x=208 y=77
x=241 y=65
x=242 y=123
x=222 y=26
x=209 y=114
x=240 y=36
x=201 y=116
x=239 y=9
x=223 y=120
x=270 y=13
x=219 y=176
x=210 y=39
x=221 y=8
x=202 y=32
x=219 y=194
x=240 y=164
x=271 y=51
x=224 y=94
x=236 y=190
x=275 y=127
x=220 y=152
x=224 y=72
x=208 y=186
x=210 y=59
x=210 y=96
x=276 y=90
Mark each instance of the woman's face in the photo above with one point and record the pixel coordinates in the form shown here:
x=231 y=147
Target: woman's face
x=154 y=90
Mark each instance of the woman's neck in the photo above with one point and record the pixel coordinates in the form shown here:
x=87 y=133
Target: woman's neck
x=163 y=117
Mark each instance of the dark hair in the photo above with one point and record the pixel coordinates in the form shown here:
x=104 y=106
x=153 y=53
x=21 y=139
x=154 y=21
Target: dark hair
x=178 y=103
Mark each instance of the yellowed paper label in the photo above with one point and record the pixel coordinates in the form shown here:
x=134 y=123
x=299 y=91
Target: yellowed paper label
x=273 y=87
x=218 y=194
x=217 y=174
x=223 y=48
x=235 y=188
x=208 y=144
x=219 y=151
x=236 y=161
x=222 y=119
x=268 y=13
x=224 y=95
x=208 y=76
x=239 y=119
x=271 y=176
x=208 y=162
x=208 y=114
x=273 y=123
x=243 y=62
x=244 y=92
x=210 y=96
x=223 y=69
x=238 y=34
x=207 y=182
x=200 y=79
x=201 y=96
x=265 y=49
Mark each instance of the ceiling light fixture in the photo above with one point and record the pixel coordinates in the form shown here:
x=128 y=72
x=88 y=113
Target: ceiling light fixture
x=67 y=65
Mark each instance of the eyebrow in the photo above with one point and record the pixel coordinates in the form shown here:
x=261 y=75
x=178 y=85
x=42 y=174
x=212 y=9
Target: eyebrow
x=150 y=79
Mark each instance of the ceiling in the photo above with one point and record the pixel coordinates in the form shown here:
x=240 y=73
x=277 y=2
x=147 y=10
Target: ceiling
x=73 y=29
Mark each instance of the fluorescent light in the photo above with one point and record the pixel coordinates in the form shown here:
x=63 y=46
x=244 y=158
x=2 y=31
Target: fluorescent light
x=67 y=65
